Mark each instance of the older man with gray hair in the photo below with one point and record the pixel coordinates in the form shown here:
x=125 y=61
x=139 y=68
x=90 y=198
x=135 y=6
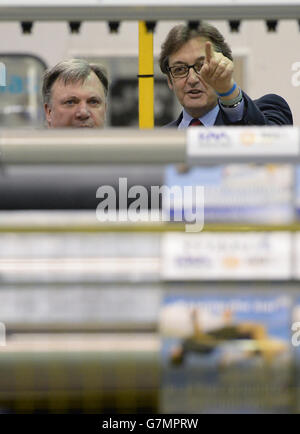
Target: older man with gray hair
x=75 y=95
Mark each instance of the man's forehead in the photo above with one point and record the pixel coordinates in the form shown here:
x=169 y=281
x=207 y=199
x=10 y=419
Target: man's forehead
x=194 y=46
x=89 y=84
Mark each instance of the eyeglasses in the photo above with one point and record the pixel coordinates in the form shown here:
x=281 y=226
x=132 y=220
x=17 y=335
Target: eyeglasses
x=180 y=71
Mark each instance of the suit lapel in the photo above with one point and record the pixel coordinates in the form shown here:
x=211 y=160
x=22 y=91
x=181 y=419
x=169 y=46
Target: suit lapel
x=179 y=119
x=219 y=120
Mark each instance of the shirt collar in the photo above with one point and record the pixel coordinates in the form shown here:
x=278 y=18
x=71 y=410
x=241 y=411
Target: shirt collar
x=208 y=119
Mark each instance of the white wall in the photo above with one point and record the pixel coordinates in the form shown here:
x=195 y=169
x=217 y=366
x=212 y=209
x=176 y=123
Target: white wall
x=270 y=55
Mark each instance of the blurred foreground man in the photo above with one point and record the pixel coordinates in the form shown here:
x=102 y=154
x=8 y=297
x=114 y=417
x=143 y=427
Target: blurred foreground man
x=74 y=94
x=199 y=68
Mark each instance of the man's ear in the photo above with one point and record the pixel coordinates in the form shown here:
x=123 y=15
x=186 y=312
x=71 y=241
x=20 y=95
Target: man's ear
x=170 y=84
x=47 y=110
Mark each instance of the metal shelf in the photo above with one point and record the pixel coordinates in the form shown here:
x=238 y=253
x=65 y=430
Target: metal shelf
x=111 y=10
x=215 y=145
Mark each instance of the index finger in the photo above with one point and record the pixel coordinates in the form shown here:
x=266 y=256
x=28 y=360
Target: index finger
x=208 y=51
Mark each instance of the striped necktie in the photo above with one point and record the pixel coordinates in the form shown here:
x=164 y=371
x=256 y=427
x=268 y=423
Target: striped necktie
x=195 y=123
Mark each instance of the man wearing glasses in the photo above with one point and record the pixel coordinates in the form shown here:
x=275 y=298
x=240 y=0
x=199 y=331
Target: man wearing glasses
x=199 y=68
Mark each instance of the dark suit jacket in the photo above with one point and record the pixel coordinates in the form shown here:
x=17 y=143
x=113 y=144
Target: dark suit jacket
x=270 y=109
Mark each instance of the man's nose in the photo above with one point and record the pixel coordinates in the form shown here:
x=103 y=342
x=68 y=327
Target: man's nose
x=192 y=77
x=82 y=111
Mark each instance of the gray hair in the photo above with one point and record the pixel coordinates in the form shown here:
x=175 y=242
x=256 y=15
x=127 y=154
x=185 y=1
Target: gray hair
x=72 y=71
